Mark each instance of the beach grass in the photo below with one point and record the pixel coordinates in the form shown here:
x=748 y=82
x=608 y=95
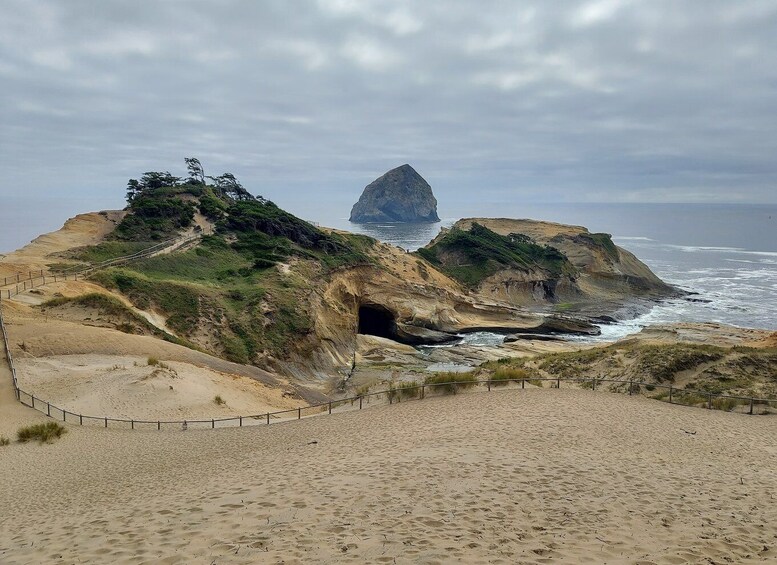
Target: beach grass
x=44 y=433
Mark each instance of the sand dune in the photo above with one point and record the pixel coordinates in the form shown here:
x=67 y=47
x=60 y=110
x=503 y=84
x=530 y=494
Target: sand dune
x=35 y=336
x=533 y=476
x=127 y=387
x=79 y=231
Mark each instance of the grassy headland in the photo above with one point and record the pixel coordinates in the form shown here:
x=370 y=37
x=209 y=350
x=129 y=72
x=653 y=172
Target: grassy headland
x=471 y=256
x=243 y=288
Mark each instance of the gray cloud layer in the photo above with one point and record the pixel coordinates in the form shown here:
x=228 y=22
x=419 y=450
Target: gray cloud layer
x=574 y=101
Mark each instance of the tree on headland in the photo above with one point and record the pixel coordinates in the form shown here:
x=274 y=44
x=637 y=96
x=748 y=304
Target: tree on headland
x=229 y=186
x=196 y=172
x=149 y=181
x=133 y=188
x=225 y=186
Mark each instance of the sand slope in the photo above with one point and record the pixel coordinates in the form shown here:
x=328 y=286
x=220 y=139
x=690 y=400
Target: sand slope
x=79 y=231
x=127 y=387
x=534 y=476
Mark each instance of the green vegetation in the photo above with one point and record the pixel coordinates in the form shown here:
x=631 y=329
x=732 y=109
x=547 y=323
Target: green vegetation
x=127 y=320
x=470 y=256
x=106 y=251
x=4 y=441
x=219 y=401
x=179 y=302
x=229 y=282
x=503 y=375
x=603 y=240
x=451 y=383
x=717 y=370
x=570 y=364
x=726 y=404
x=409 y=389
x=689 y=398
x=663 y=362
x=152 y=362
x=44 y=433
x=157 y=214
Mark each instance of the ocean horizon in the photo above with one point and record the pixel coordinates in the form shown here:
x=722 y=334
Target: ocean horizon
x=727 y=253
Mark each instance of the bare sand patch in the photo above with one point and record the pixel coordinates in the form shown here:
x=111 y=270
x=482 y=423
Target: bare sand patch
x=533 y=476
x=128 y=387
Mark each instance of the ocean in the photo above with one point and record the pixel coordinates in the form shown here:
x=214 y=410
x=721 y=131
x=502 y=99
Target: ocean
x=725 y=253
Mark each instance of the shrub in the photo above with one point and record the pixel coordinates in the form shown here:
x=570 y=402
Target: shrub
x=470 y=256
x=152 y=361
x=126 y=328
x=503 y=376
x=410 y=389
x=689 y=398
x=450 y=383
x=662 y=362
x=725 y=404
x=392 y=392
x=219 y=401
x=44 y=433
x=4 y=441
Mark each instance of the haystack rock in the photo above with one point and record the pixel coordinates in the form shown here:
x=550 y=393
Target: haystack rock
x=401 y=195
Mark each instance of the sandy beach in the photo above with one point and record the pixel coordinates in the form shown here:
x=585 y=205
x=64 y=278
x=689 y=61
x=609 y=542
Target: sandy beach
x=534 y=476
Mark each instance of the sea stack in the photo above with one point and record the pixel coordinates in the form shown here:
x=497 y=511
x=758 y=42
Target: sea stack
x=401 y=195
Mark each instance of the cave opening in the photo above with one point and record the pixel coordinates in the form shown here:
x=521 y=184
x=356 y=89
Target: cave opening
x=377 y=320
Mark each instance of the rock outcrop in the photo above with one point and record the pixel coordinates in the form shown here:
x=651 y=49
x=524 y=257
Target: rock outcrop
x=401 y=195
x=528 y=262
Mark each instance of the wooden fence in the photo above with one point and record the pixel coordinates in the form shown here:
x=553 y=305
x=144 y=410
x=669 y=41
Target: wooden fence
x=673 y=395
x=8 y=356
x=670 y=393
x=22 y=281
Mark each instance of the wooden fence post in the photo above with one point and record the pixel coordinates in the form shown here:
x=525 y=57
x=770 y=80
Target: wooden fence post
x=132 y=424
x=631 y=387
x=360 y=402
x=709 y=401
x=48 y=409
x=670 y=394
x=268 y=418
x=241 y=421
x=488 y=382
x=558 y=382
x=752 y=401
x=106 y=421
x=81 y=419
x=523 y=383
x=213 y=424
x=158 y=425
x=299 y=413
x=330 y=407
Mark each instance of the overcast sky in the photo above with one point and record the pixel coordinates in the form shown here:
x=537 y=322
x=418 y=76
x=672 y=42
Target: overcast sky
x=635 y=101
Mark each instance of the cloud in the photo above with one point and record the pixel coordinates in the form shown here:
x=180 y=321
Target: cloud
x=629 y=100
x=368 y=53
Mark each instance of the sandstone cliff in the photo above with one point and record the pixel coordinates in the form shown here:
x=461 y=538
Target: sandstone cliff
x=401 y=195
x=544 y=263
